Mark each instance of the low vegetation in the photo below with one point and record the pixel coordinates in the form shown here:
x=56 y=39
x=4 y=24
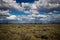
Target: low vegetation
x=29 y=31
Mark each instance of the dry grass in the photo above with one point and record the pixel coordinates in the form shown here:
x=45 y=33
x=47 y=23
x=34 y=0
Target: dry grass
x=29 y=31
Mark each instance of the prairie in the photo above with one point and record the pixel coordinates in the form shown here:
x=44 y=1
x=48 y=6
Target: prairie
x=29 y=31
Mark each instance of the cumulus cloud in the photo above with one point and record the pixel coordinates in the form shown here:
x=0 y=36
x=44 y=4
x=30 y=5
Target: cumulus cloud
x=33 y=9
x=51 y=18
x=12 y=17
x=41 y=5
x=30 y=18
x=4 y=12
x=37 y=5
x=39 y=18
x=25 y=4
x=5 y=15
x=10 y=4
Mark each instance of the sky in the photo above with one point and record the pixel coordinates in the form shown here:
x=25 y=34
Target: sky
x=26 y=1
x=30 y=11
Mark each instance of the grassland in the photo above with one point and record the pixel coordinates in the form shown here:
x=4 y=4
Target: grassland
x=29 y=31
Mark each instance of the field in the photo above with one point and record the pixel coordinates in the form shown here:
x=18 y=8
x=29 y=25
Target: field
x=29 y=31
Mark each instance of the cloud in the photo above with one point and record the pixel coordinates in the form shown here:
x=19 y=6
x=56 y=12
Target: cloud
x=51 y=18
x=33 y=10
x=33 y=18
x=41 y=5
x=37 y=5
x=5 y=15
x=12 y=17
x=10 y=4
x=25 y=19
x=5 y=12
x=30 y=18
x=25 y=4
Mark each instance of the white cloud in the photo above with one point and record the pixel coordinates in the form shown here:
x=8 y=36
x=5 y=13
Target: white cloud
x=10 y=4
x=34 y=12
x=25 y=4
x=5 y=15
x=33 y=6
x=51 y=18
x=5 y=12
x=25 y=19
x=30 y=18
x=12 y=17
x=39 y=15
x=33 y=9
x=27 y=12
x=41 y=5
x=38 y=5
